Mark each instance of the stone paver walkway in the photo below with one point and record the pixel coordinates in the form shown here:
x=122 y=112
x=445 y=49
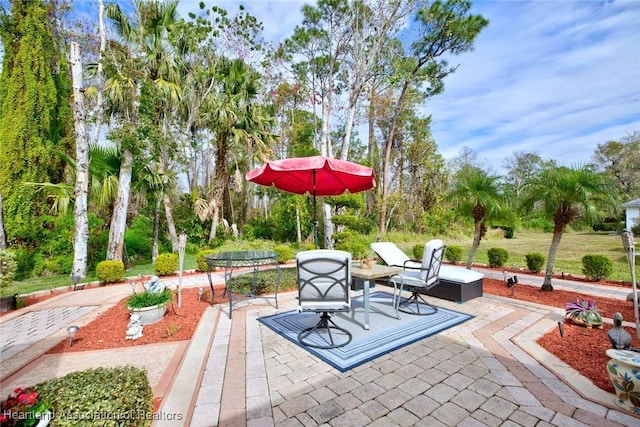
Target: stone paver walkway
x=483 y=372
x=486 y=372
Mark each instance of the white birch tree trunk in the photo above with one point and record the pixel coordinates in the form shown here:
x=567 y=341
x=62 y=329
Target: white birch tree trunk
x=120 y=208
x=170 y=222
x=81 y=234
x=97 y=112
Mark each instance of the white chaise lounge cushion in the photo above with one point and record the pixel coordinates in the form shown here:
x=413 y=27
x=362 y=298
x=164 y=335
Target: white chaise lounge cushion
x=451 y=273
x=393 y=255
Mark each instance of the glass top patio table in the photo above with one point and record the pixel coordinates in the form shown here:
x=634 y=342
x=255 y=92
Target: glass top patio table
x=231 y=260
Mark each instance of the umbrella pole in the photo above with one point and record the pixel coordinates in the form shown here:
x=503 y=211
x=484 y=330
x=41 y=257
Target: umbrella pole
x=315 y=212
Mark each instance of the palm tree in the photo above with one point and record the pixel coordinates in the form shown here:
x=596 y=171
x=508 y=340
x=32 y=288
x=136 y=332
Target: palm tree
x=143 y=58
x=565 y=194
x=236 y=122
x=477 y=194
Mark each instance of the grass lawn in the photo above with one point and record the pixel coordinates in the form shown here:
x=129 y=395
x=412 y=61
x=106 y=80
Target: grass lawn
x=573 y=246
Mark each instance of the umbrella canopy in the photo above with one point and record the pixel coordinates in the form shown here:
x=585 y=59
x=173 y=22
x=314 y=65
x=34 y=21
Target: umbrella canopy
x=316 y=175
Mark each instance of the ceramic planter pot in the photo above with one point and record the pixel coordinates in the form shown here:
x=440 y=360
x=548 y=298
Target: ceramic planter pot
x=590 y=321
x=149 y=315
x=624 y=372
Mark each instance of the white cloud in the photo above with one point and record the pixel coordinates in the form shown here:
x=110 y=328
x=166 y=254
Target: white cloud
x=556 y=78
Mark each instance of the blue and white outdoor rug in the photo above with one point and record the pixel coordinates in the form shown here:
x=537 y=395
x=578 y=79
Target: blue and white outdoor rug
x=386 y=333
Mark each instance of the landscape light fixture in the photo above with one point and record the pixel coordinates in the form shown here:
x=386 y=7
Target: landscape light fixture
x=200 y=292
x=75 y=279
x=71 y=333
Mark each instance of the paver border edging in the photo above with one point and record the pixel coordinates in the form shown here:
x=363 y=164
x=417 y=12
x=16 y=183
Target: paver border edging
x=182 y=392
x=526 y=340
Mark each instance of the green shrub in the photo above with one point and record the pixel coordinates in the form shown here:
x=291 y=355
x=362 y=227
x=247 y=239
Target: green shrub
x=284 y=253
x=418 y=251
x=497 y=257
x=96 y=394
x=8 y=267
x=60 y=264
x=596 y=267
x=110 y=271
x=453 y=254
x=201 y=260
x=166 y=264
x=148 y=299
x=139 y=238
x=351 y=242
x=25 y=263
x=535 y=261
x=266 y=281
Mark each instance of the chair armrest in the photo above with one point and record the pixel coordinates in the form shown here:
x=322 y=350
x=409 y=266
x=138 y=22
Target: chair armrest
x=411 y=267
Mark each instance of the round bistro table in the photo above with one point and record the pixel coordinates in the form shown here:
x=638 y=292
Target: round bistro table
x=252 y=260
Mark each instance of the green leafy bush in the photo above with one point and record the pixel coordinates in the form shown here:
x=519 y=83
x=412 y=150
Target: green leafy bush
x=201 y=260
x=308 y=246
x=351 y=242
x=285 y=253
x=418 y=251
x=139 y=238
x=596 y=267
x=8 y=267
x=166 y=264
x=94 y=397
x=148 y=299
x=453 y=254
x=535 y=261
x=25 y=262
x=59 y=264
x=497 y=257
x=110 y=271
x=508 y=232
x=266 y=281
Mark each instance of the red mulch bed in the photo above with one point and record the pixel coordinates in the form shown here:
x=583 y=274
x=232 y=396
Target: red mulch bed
x=109 y=329
x=582 y=348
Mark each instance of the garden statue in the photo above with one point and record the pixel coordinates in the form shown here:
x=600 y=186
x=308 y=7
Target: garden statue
x=155 y=286
x=135 y=328
x=619 y=338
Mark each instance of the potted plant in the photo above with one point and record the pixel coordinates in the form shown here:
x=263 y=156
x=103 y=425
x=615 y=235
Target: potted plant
x=150 y=306
x=583 y=312
x=24 y=409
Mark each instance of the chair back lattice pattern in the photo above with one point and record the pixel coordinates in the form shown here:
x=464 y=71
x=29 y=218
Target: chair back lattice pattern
x=431 y=262
x=323 y=278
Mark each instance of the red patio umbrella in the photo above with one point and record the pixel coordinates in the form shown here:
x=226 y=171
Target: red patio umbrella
x=317 y=175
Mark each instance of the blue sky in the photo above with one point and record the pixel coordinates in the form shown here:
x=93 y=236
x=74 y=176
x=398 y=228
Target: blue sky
x=552 y=77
